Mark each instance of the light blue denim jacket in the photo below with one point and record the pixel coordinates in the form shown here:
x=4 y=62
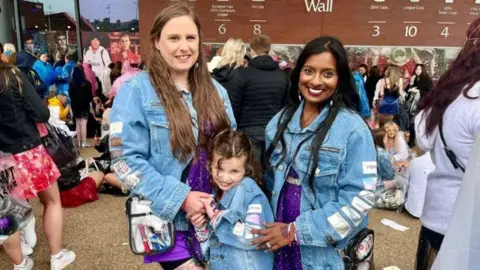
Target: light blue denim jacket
x=246 y=207
x=140 y=148
x=344 y=183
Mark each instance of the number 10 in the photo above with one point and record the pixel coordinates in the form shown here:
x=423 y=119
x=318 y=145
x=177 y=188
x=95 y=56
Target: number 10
x=411 y=31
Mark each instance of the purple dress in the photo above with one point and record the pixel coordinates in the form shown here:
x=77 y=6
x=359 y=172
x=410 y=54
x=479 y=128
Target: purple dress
x=289 y=258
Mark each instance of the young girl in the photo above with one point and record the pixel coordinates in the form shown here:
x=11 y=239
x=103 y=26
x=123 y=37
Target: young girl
x=241 y=205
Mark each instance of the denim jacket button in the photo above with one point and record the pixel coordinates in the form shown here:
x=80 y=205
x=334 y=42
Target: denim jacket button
x=273 y=193
x=317 y=171
x=280 y=167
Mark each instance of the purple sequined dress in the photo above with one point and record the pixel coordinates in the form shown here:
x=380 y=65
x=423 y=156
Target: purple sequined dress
x=289 y=258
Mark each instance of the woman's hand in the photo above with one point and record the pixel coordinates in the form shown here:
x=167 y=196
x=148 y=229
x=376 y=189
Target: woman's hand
x=210 y=207
x=193 y=203
x=275 y=236
x=198 y=220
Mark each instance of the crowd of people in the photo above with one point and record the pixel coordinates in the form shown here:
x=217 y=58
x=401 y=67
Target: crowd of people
x=267 y=166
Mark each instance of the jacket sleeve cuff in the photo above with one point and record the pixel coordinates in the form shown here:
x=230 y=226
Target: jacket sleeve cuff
x=171 y=206
x=304 y=233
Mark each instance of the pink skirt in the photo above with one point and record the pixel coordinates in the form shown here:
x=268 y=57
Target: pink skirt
x=36 y=171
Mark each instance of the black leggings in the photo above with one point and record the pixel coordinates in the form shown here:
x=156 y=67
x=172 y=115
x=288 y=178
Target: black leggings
x=429 y=244
x=173 y=264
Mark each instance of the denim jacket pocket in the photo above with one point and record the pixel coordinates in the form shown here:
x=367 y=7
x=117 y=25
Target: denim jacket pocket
x=159 y=138
x=329 y=159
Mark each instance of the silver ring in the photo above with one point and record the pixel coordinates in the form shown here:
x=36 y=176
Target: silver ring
x=268 y=245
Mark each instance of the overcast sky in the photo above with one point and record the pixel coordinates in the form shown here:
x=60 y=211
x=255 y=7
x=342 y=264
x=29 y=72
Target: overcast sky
x=123 y=10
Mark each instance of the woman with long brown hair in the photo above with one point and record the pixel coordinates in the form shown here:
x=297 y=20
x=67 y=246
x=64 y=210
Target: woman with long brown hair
x=448 y=122
x=20 y=109
x=162 y=121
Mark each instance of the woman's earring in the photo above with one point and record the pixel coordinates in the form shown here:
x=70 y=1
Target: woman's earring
x=196 y=65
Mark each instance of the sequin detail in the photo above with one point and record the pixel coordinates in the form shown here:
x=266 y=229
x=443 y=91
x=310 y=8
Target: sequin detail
x=289 y=258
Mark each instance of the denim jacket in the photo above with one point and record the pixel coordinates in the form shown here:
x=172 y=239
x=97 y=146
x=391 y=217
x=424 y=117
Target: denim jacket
x=140 y=148
x=344 y=183
x=244 y=207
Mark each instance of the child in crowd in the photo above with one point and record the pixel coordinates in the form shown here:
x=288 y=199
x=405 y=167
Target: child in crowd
x=387 y=194
x=241 y=205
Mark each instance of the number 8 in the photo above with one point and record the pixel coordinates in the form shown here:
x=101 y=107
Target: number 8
x=257 y=29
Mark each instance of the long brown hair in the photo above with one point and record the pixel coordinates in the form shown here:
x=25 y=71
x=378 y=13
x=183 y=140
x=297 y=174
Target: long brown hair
x=206 y=101
x=7 y=73
x=235 y=144
x=460 y=77
x=379 y=137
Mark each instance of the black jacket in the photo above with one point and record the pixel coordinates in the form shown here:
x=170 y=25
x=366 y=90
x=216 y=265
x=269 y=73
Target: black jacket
x=19 y=112
x=228 y=77
x=258 y=92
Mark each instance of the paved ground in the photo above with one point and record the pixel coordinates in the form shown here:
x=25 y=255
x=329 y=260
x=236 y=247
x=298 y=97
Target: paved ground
x=97 y=233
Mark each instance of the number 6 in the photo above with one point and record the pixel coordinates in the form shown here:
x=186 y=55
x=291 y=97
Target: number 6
x=222 y=29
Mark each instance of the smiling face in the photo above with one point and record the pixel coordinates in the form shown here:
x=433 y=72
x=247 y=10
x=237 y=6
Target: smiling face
x=318 y=78
x=179 y=44
x=391 y=132
x=229 y=172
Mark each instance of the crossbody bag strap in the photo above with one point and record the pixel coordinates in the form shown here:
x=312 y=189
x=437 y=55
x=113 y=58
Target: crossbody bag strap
x=450 y=154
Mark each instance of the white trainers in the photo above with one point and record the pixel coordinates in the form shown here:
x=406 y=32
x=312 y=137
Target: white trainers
x=26 y=250
x=26 y=265
x=65 y=259
x=28 y=234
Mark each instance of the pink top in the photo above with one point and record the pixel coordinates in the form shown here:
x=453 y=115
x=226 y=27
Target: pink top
x=90 y=76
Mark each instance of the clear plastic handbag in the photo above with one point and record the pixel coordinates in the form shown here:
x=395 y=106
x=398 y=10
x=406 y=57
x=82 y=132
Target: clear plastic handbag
x=147 y=233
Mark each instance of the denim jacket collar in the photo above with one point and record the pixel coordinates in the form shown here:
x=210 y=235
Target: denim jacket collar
x=228 y=196
x=295 y=124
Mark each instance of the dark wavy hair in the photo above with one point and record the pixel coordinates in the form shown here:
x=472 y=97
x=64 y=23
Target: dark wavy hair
x=461 y=75
x=424 y=75
x=346 y=95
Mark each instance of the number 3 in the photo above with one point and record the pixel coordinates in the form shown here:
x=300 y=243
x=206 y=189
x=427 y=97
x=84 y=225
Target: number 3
x=257 y=29
x=376 y=31
x=222 y=29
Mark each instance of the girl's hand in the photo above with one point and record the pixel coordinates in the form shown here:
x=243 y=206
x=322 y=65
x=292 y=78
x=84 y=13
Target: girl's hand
x=210 y=207
x=275 y=236
x=198 y=220
x=193 y=204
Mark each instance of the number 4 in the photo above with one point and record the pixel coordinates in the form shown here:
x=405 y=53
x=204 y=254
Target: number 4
x=445 y=32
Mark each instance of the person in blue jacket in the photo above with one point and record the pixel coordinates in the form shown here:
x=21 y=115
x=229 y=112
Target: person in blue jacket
x=161 y=124
x=364 y=106
x=25 y=62
x=242 y=206
x=65 y=76
x=45 y=71
x=321 y=167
